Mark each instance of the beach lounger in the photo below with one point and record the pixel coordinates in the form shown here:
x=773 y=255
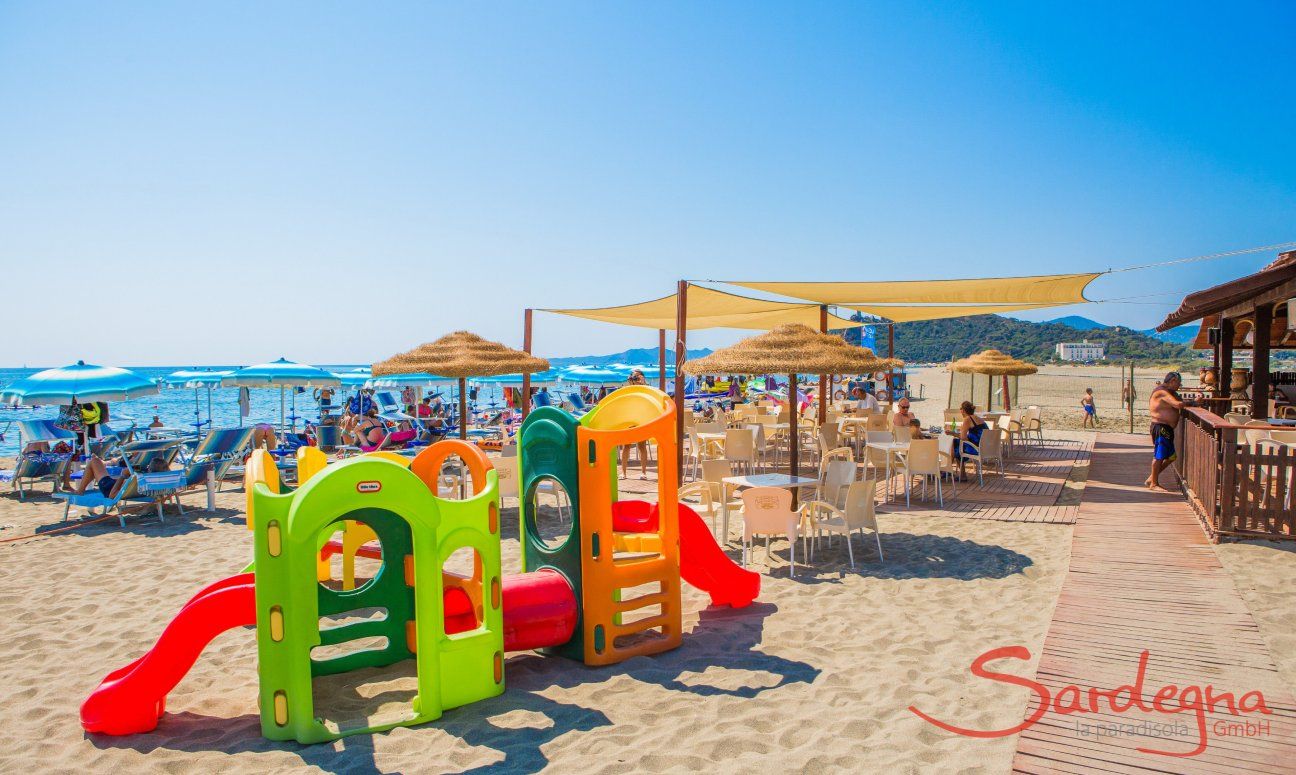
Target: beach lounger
x=153 y=488
x=35 y=467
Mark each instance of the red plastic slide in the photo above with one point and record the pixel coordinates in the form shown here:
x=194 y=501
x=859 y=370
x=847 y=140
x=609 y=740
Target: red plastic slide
x=132 y=699
x=703 y=564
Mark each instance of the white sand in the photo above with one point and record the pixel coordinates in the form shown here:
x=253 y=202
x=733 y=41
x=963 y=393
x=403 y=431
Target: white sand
x=817 y=675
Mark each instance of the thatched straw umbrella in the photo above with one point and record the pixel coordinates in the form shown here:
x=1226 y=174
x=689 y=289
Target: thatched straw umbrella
x=995 y=364
x=461 y=355
x=792 y=349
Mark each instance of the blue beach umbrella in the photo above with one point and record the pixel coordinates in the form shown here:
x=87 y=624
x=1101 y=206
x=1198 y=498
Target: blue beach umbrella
x=82 y=382
x=282 y=374
x=354 y=378
x=597 y=375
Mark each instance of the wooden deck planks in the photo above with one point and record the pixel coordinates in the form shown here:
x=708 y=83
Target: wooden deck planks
x=1142 y=576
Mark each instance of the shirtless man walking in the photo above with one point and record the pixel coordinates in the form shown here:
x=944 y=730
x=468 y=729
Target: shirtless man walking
x=1164 y=406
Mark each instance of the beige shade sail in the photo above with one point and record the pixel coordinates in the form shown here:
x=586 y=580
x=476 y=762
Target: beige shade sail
x=995 y=363
x=909 y=313
x=1042 y=290
x=709 y=308
x=461 y=354
x=792 y=349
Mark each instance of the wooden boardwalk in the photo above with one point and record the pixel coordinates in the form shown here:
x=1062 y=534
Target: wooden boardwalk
x=1144 y=577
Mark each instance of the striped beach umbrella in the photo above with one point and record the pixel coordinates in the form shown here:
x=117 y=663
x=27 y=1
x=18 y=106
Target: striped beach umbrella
x=82 y=382
x=282 y=374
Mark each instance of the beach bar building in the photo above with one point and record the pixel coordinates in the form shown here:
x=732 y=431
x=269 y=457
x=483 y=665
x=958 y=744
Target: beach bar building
x=1237 y=454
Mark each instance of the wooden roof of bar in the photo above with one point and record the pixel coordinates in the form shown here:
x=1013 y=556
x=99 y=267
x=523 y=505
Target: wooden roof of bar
x=1276 y=282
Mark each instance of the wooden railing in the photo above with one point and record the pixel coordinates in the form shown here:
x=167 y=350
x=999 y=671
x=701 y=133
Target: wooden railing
x=1237 y=488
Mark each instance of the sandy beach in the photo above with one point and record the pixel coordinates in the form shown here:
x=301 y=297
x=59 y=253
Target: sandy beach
x=817 y=674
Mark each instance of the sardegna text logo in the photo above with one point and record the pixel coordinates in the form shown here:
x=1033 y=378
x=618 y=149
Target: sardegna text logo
x=1071 y=699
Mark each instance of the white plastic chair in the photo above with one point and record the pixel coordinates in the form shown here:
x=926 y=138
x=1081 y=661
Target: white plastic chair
x=990 y=449
x=740 y=448
x=836 y=476
x=767 y=511
x=859 y=513
x=921 y=459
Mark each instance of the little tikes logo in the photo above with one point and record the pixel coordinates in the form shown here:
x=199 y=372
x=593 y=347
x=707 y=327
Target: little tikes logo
x=1071 y=699
x=368 y=486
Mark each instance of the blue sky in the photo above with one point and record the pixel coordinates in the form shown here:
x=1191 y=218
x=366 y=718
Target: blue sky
x=338 y=182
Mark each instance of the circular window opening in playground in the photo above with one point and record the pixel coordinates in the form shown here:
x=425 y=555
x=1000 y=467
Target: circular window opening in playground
x=353 y=556
x=454 y=480
x=550 y=511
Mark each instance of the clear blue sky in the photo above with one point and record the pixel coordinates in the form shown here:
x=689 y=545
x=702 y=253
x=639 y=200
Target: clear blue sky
x=338 y=182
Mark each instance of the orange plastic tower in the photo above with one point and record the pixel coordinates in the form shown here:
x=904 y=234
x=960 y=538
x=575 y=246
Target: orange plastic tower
x=628 y=416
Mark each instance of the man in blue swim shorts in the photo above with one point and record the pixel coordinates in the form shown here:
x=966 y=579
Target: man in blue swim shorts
x=1164 y=405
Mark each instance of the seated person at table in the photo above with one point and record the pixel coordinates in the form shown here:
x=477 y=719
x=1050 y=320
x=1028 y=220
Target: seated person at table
x=867 y=401
x=902 y=417
x=969 y=435
x=915 y=429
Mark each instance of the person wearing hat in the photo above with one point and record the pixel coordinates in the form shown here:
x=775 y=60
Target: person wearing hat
x=1164 y=406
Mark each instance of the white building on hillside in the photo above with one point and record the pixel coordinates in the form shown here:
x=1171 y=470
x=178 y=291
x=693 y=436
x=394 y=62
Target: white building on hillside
x=1080 y=351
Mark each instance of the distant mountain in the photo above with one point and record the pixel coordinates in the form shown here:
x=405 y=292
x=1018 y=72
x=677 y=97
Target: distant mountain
x=934 y=341
x=1180 y=335
x=637 y=356
x=1075 y=321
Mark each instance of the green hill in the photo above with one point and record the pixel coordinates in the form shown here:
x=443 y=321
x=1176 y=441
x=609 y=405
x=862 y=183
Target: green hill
x=942 y=340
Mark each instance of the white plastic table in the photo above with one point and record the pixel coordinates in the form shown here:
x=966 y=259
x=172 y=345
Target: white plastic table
x=782 y=481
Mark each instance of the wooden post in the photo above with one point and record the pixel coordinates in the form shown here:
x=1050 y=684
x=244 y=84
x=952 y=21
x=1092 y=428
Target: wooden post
x=661 y=359
x=681 y=352
x=526 y=377
x=1260 y=362
x=890 y=374
x=989 y=392
x=1007 y=401
x=1131 y=397
x=794 y=438
x=824 y=387
x=1223 y=387
x=463 y=408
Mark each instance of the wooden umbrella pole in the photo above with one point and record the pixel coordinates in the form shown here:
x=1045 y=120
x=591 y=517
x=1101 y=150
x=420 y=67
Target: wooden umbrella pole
x=463 y=408
x=526 y=375
x=794 y=441
x=661 y=359
x=1007 y=401
x=681 y=353
x=823 y=378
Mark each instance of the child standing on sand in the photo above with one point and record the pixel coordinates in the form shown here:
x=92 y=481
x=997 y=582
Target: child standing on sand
x=1090 y=411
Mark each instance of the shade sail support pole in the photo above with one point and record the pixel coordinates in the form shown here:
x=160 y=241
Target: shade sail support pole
x=661 y=359
x=526 y=375
x=681 y=352
x=890 y=386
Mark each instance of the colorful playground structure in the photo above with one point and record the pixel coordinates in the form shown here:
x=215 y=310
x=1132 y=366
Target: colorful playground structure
x=607 y=592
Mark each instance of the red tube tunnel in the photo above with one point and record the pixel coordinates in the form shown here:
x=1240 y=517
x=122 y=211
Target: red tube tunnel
x=539 y=610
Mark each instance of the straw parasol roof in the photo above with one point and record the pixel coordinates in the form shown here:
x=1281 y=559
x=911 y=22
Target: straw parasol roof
x=994 y=363
x=792 y=348
x=459 y=355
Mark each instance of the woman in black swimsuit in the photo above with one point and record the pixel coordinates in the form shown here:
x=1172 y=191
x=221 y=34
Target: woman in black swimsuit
x=969 y=436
